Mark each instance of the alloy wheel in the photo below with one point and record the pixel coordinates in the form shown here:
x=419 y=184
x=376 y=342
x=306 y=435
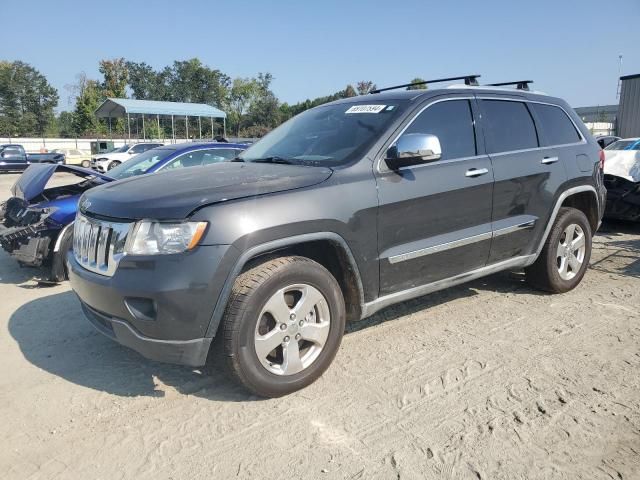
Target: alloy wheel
x=571 y=251
x=292 y=329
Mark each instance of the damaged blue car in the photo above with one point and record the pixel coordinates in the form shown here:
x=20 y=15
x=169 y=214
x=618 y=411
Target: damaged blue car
x=36 y=222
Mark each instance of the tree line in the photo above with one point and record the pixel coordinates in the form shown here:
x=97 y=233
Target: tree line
x=28 y=101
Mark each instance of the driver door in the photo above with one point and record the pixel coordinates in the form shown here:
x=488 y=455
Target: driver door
x=434 y=218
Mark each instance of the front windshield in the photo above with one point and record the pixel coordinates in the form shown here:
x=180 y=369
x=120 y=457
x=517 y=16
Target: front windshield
x=327 y=135
x=140 y=163
x=624 y=145
x=122 y=149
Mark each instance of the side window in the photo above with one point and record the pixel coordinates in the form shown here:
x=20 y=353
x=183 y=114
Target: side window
x=189 y=159
x=508 y=126
x=216 y=155
x=138 y=148
x=452 y=122
x=557 y=128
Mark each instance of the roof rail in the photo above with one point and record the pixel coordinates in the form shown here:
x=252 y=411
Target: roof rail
x=468 y=80
x=520 y=84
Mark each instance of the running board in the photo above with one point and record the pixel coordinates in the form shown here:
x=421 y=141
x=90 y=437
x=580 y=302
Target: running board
x=370 y=308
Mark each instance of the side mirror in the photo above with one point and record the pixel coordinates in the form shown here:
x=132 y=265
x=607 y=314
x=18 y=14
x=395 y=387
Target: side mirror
x=413 y=149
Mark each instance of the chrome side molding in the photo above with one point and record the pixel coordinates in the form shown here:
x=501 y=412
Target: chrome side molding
x=370 y=308
x=439 y=248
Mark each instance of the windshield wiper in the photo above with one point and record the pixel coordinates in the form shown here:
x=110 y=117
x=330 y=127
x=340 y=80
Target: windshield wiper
x=274 y=159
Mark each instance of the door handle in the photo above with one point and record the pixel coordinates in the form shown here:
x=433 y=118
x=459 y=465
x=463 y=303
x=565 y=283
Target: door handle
x=476 y=172
x=549 y=160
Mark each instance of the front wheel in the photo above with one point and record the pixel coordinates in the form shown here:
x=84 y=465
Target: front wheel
x=86 y=164
x=565 y=256
x=113 y=165
x=283 y=325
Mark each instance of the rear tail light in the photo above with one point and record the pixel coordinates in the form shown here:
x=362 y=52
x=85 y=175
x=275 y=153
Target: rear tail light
x=601 y=159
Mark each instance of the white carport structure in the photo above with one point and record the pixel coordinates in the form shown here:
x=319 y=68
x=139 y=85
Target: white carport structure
x=126 y=108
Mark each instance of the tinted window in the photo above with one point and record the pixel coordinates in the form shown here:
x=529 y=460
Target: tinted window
x=139 y=148
x=189 y=159
x=557 y=128
x=452 y=122
x=140 y=164
x=216 y=155
x=624 y=145
x=508 y=126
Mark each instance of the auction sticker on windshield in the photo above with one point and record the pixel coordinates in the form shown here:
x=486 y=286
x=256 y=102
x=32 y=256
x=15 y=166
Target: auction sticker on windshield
x=366 y=109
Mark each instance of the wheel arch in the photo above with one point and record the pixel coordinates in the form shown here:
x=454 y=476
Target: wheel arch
x=581 y=197
x=587 y=202
x=327 y=248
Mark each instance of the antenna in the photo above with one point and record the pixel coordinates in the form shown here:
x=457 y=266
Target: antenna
x=520 y=84
x=468 y=80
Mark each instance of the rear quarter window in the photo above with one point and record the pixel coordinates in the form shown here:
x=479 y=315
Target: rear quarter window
x=555 y=126
x=508 y=126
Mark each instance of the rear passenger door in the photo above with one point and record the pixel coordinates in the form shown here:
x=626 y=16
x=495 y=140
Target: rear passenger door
x=526 y=175
x=434 y=219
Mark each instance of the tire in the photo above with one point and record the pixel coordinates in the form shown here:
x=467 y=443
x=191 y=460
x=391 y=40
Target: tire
x=559 y=268
x=248 y=322
x=86 y=164
x=58 y=261
x=113 y=164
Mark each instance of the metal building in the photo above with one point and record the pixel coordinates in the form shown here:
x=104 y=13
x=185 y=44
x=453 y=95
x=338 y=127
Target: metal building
x=629 y=109
x=177 y=111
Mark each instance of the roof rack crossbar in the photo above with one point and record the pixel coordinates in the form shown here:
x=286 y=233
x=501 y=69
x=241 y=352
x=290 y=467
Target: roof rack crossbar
x=520 y=84
x=468 y=80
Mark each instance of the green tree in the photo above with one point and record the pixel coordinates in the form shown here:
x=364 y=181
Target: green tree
x=116 y=77
x=417 y=87
x=191 y=81
x=264 y=108
x=350 y=92
x=365 y=86
x=89 y=98
x=243 y=91
x=27 y=100
x=146 y=83
x=65 y=125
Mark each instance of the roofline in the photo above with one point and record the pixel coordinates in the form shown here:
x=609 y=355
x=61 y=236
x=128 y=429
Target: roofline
x=629 y=77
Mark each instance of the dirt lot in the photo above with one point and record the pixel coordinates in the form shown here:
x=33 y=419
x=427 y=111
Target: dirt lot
x=490 y=380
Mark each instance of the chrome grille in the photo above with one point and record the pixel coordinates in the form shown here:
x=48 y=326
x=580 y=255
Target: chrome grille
x=98 y=245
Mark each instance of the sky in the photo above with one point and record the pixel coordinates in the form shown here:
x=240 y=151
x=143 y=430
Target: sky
x=570 y=48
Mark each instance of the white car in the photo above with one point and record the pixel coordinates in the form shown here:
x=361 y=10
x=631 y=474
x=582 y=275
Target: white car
x=103 y=162
x=622 y=179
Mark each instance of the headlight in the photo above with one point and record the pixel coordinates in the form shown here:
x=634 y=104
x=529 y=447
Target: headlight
x=159 y=238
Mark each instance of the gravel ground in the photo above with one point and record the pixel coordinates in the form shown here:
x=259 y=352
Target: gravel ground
x=490 y=380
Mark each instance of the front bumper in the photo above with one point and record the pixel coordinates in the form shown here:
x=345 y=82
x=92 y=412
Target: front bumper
x=160 y=306
x=188 y=352
x=29 y=245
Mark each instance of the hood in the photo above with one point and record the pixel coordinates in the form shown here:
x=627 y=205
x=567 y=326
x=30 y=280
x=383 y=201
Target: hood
x=623 y=163
x=175 y=194
x=32 y=182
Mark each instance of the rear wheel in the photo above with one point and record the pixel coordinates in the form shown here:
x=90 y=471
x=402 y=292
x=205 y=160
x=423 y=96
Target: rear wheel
x=565 y=256
x=86 y=163
x=113 y=164
x=283 y=325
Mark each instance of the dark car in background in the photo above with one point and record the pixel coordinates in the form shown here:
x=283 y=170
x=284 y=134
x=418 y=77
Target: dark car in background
x=36 y=220
x=14 y=158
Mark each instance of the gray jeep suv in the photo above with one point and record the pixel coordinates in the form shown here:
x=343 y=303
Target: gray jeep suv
x=343 y=210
